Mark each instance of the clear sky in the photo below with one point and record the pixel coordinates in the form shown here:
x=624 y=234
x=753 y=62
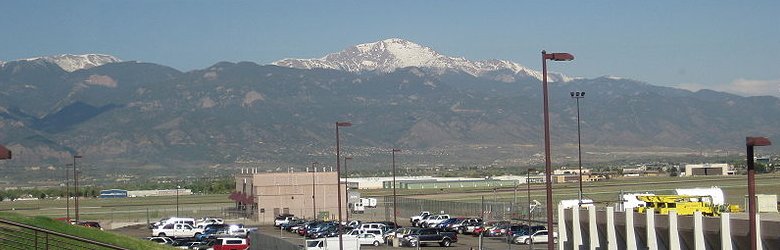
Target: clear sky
x=724 y=45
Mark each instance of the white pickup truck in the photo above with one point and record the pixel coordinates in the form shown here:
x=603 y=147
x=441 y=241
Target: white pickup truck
x=178 y=230
x=415 y=219
x=433 y=220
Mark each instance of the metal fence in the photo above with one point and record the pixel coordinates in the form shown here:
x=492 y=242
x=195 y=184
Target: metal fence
x=261 y=241
x=487 y=210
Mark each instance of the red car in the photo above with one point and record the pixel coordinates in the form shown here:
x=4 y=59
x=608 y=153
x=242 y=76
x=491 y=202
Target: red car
x=230 y=244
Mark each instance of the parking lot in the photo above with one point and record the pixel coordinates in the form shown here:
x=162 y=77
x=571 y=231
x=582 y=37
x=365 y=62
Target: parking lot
x=465 y=242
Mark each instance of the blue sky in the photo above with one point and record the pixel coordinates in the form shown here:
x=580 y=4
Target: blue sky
x=724 y=45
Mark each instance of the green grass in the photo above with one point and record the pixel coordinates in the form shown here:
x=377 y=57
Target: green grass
x=123 y=209
x=88 y=233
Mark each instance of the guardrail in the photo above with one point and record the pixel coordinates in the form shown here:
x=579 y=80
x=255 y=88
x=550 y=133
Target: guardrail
x=14 y=235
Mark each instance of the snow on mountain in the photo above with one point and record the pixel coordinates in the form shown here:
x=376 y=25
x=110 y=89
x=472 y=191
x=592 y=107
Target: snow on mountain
x=72 y=63
x=391 y=54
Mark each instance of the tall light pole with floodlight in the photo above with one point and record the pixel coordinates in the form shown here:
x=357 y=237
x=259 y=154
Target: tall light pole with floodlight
x=750 y=143
x=577 y=95
x=395 y=209
x=547 y=161
x=528 y=193
x=76 y=187
x=338 y=180
x=346 y=184
x=67 y=192
x=314 y=190
x=177 y=201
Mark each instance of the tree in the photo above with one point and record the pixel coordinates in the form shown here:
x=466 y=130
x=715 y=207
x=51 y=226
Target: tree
x=673 y=171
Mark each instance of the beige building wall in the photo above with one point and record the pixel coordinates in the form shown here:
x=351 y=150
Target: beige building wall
x=291 y=192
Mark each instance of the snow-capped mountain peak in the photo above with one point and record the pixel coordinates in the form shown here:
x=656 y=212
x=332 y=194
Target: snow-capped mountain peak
x=72 y=63
x=391 y=54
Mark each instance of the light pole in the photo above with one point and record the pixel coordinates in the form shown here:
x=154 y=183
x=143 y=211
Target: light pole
x=528 y=193
x=67 y=192
x=577 y=95
x=346 y=182
x=547 y=161
x=395 y=209
x=313 y=190
x=76 y=187
x=338 y=179
x=750 y=143
x=177 y=201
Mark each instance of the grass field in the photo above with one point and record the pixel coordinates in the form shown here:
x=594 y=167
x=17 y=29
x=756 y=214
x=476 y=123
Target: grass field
x=135 y=209
x=604 y=193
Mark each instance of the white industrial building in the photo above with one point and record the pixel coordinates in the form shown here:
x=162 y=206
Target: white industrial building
x=708 y=169
x=377 y=182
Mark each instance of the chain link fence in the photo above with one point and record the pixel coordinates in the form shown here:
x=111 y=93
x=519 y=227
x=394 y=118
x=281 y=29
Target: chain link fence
x=487 y=210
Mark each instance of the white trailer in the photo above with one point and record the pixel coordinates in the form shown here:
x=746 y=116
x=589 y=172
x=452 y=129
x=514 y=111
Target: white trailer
x=358 y=208
x=371 y=202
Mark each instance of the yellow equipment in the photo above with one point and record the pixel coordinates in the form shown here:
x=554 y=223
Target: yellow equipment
x=682 y=204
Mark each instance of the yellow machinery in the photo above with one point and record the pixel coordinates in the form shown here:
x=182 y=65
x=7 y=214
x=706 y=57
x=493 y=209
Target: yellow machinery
x=683 y=205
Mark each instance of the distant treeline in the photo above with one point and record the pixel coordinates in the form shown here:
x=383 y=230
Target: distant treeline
x=222 y=185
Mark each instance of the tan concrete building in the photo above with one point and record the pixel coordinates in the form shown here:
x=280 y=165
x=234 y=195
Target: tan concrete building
x=269 y=194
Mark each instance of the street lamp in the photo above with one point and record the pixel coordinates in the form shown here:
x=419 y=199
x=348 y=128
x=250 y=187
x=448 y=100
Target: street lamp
x=577 y=95
x=76 y=187
x=547 y=161
x=346 y=182
x=528 y=194
x=338 y=179
x=313 y=190
x=395 y=211
x=67 y=192
x=750 y=143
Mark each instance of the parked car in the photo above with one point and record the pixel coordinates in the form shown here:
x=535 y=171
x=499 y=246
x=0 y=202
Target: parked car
x=380 y=226
x=203 y=222
x=90 y=224
x=224 y=244
x=178 y=230
x=185 y=244
x=470 y=227
x=461 y=226
x=370 y=239
x=444 y=225
x=428 y=235
x=161 y=240
x=486 y=228
x=417 y=218
x=174 y=220
x=537 y=237
x=521 y=230
x=282 y=219
x=434 y=220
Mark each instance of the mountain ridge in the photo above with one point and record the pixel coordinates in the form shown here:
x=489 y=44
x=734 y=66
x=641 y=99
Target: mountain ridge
x=395 y=53
x=239 y=114
x=71 y=62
